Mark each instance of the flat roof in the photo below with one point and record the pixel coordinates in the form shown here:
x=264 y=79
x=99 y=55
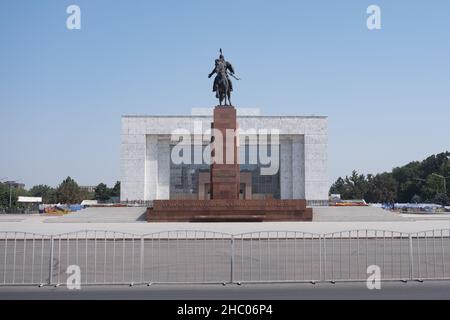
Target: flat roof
x=203 y=116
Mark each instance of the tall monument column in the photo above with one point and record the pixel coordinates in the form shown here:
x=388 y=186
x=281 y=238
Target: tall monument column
x=225 y=171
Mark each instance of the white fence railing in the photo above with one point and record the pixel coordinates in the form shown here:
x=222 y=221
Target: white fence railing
x=182 y=257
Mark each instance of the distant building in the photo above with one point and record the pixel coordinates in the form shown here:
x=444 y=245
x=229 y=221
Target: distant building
x=149 y=173
x=14 y=184
x=88 y=188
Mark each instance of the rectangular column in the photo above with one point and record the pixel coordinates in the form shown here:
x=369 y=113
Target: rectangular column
x=316 y=176
x=132 y=167
x=286 y=168
x=298 y=167
x=151 y=168
x=164 y=162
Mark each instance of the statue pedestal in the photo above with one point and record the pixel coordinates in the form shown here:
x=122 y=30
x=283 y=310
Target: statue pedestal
x=225 y=172
x=225 y=204
x=228 y=211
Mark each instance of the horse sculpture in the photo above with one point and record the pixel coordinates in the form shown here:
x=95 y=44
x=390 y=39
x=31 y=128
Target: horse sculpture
x=223 y=88
x=222 y=83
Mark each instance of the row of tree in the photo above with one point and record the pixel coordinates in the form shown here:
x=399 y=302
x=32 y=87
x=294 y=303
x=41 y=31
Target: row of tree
x=419 y=181
x=68 y=192
x=8 y=194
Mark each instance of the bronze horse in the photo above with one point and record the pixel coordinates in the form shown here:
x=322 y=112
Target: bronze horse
x=223 y=88
x=222 y=83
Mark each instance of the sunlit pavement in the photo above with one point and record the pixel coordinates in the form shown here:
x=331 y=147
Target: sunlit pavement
x=131 y=220
x=389 y=290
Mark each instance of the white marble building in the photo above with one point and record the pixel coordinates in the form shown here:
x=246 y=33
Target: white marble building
x=146 y=154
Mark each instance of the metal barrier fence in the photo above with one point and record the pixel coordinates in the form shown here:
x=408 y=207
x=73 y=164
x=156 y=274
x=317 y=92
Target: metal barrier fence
x=430 y=255
x=183 y=257
x=165 y=257
x=276 y=256
x=347 y=255
x=24 y=258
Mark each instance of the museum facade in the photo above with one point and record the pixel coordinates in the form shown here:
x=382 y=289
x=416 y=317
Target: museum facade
x=151 y=168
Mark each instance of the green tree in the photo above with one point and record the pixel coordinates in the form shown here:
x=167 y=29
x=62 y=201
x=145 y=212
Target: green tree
x=102 y=192
x=338 y=187
x=4 y=196
x=442 y=199
x=68 y=192
x=407 y=181
x=432 y=187
x=115 y=191
x=8 y=193
x=401 y=185
x=358 y=185
x=351 y=187
x=47 y=193
x=381 y=188
x=416 y=199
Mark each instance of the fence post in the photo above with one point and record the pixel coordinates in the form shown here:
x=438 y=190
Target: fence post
x=232 y=260
x=321 y=277
x=323 y=258
x=142 y=259
x=50 y=263
x=411 y=261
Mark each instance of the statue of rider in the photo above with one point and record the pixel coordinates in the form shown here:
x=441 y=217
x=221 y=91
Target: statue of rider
x=221 y=65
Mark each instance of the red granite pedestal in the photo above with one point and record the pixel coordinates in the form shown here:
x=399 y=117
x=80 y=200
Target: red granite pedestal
x=225 y=205
x=225 y=171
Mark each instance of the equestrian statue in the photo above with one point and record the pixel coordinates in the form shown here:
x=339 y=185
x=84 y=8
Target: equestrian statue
x=223 y=86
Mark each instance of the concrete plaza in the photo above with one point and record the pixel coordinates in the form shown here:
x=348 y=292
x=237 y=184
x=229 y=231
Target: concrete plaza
x=132 y=220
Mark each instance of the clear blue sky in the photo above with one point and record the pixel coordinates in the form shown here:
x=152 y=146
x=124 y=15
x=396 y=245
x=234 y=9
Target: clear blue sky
x=62 y=93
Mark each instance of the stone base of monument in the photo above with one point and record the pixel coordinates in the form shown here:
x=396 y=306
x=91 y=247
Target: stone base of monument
x=225 y=205
x=229 y=211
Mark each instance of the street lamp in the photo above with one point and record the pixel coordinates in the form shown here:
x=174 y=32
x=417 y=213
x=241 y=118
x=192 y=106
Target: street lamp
x=445 y=181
